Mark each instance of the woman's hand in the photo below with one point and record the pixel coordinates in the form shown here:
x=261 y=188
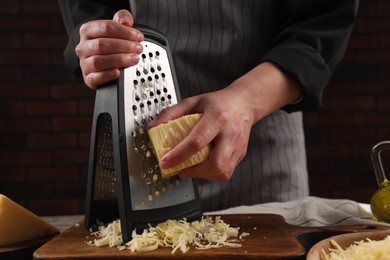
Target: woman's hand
x=107 y=45
x=228 y=116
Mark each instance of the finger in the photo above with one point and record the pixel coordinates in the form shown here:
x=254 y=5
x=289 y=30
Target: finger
x=95 y=79
x=184 y=107
x=101 y=46
x=201 y=135
x=109 y=29
x=104 y=62
x=124 y=17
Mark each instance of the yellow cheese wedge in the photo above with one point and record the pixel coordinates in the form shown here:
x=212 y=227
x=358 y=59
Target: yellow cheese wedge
x=166 y=136
x=18 y=224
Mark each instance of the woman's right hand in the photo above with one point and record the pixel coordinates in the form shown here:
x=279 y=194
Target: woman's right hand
x=107 y=45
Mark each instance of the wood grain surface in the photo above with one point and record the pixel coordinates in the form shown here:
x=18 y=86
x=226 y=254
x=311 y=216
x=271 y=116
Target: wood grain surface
x=270 y=238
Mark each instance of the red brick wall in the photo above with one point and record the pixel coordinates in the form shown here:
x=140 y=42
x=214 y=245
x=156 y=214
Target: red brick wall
x=45 y=114
x=355 y=113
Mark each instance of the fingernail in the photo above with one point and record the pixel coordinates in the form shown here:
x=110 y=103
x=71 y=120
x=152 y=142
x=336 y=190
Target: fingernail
x=134 y=58
x=139 y=48
x=140 y=37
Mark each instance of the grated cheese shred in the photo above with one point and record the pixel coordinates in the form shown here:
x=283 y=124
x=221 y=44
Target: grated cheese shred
x=361 y=250
x=176 y=234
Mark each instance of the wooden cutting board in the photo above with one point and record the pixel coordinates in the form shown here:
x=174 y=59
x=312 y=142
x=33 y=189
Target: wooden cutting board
x=270 y=238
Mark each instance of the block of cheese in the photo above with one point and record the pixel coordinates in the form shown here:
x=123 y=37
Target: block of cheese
x=166 y=136
x=18 y=224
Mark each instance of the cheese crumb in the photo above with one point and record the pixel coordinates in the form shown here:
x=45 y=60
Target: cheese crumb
x=360 y=250
x=177 y=234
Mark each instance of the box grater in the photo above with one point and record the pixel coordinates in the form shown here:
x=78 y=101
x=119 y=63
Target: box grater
x=124 y=180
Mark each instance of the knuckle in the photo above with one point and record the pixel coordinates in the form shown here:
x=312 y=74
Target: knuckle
x=107 y=27
x=93 y=63
x=83 y=29
x=79 y=50
x=196 y=142
x=222 y=117
x=219 y=168
x=99 y=45
x=89 y=81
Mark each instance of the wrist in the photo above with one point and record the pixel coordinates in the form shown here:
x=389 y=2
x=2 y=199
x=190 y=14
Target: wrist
x=265 y=89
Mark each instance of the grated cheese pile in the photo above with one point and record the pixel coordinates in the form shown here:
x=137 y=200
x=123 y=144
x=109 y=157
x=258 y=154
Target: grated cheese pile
x=177 y=234
x=362 y=250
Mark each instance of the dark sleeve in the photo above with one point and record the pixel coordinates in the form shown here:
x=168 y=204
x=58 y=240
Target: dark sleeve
x=311 y=41
x=77 y=12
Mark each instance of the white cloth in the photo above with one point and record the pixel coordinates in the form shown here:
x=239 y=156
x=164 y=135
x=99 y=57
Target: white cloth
x=311 y=211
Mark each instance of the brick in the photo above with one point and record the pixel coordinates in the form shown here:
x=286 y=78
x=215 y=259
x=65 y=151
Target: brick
x=384 y=9
x=370 y=119
x=351 y=134
x=10 y=75
x=41 y=7
x=317 y=167
x=383 y=132
x=53 y=173
x=375 y=56
x=320 y=135
x=372 y=88
x=71 y=156
x=47 y=41
x=55 y=206
x=11 y=108
x=19 y=158
x=9 y=7
x=51 y=140
x=385 y=74
x=72 y=123
x=353 y=104
x=362 y=150
x=85 y=139
x=356 y=72
x=362 y=195
x=10 y=140
x=22 y=57
x=24 y=23
x=12 y=174
x=372 y=25
x=51 y=108
x=328 y=119
x=367 y=9
x=384 y=40
x=25 y=124
x=46 y=74
x=329 y=151
x=363 y=41
x=57 y=59
x=72 y=90
x=23 y=91
x=10 y=40
x=384 y=104
x=68 y=189
x=340 y=89
x=87 y=107
x=331 y=181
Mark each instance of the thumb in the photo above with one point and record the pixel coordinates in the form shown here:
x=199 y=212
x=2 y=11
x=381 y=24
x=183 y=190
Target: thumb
x=123 y=17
